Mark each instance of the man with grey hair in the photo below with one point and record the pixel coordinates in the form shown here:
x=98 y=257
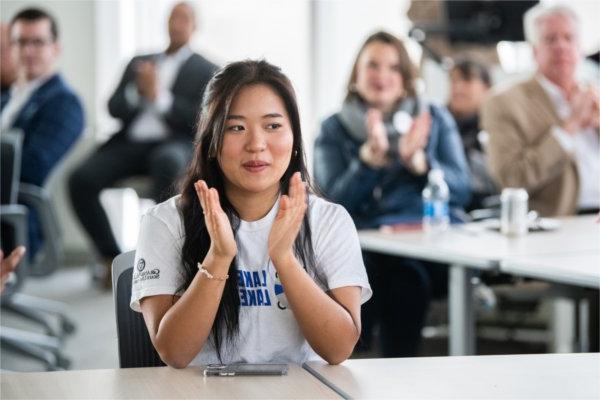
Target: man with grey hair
x=544 y=131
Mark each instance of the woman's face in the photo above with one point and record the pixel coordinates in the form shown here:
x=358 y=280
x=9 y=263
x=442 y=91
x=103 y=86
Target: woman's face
x=257 y=143
x=378 y=78
x=466 y=95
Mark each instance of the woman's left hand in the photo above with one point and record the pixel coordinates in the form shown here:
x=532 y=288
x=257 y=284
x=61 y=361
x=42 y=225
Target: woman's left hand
x=288 y=221
x=416 y=138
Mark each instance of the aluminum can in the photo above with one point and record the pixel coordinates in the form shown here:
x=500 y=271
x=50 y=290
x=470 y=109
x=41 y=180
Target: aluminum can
x=513 y=215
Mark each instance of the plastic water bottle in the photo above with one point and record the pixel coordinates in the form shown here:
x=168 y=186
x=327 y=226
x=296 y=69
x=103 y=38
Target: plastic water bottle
x=435 y=203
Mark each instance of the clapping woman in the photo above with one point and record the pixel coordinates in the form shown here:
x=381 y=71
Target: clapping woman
x=247 y=264
x=372 y=157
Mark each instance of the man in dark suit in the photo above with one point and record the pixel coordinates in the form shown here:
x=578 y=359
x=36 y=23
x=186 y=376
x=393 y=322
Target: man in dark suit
x=40 y=103
x=157 y=102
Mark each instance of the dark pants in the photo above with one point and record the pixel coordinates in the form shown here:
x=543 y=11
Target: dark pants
x=116 y=160
x=402 y=290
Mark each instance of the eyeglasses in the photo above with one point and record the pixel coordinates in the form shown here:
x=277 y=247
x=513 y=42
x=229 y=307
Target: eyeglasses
x=36 y=43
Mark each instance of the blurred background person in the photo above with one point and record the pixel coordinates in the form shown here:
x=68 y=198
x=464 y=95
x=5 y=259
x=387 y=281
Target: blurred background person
x=469 y=85
x=8 y=264
x=157 y=101
x=8 y=67
x=40 y=104
x=544 y=131
x=372 y=157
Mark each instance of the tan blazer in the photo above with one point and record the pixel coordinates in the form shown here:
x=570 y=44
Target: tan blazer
x=524 y=153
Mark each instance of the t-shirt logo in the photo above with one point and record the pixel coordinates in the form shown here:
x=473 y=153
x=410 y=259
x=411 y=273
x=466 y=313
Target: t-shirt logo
x=141 y=264
x=142 y=275
x=281 y=299
x=253 y=288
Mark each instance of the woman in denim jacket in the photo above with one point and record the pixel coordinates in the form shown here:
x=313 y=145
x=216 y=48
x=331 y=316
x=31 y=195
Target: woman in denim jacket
x=372 y=157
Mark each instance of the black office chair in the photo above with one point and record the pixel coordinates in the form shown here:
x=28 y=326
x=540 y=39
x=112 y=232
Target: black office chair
x=49 y=256
x=11 y=144
x=135 y=348
x=13 y=216
x=47 y=260
x=46 y=348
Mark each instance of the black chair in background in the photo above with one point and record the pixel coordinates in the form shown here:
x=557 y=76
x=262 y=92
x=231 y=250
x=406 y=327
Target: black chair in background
x=135 y=347
x=47 y=260
x=50 y=255
x=44 y=347
x=12 y=215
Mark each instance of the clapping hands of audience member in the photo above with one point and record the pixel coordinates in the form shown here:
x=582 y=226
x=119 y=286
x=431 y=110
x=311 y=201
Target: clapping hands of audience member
x=594 y=115
x=585 y=106
x=286 y=226
x=288 y=221
x=8 y=264
x=374 y=151
x=411 y=145
x=222 y=241
x=147 y=80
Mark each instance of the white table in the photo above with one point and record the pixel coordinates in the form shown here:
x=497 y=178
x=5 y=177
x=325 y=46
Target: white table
x=543 y=376
x=159 y=383
x=580 y=268
x=473 y=246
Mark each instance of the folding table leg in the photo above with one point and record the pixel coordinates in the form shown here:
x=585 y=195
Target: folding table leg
x=461 y=340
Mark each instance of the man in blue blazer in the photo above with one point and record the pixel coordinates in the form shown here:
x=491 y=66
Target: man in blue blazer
x=40 y=103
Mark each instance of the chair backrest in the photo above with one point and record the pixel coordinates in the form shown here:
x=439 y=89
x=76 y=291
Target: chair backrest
x=135 y=348
x=13 y=224
x=10 y=174
x=50 y=256
x=13 y=217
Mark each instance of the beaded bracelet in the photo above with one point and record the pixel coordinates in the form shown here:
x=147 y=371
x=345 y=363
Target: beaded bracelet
x=205 y=272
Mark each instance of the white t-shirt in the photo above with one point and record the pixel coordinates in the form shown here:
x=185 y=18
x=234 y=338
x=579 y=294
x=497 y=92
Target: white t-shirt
x=268 y=331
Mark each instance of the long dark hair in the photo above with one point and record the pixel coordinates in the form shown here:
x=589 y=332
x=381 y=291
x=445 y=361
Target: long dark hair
x=218 y=97
x=408 y=70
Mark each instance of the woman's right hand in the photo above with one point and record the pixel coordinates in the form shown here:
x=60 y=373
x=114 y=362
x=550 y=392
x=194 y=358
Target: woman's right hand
x=222 y=241
x=374 y=151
